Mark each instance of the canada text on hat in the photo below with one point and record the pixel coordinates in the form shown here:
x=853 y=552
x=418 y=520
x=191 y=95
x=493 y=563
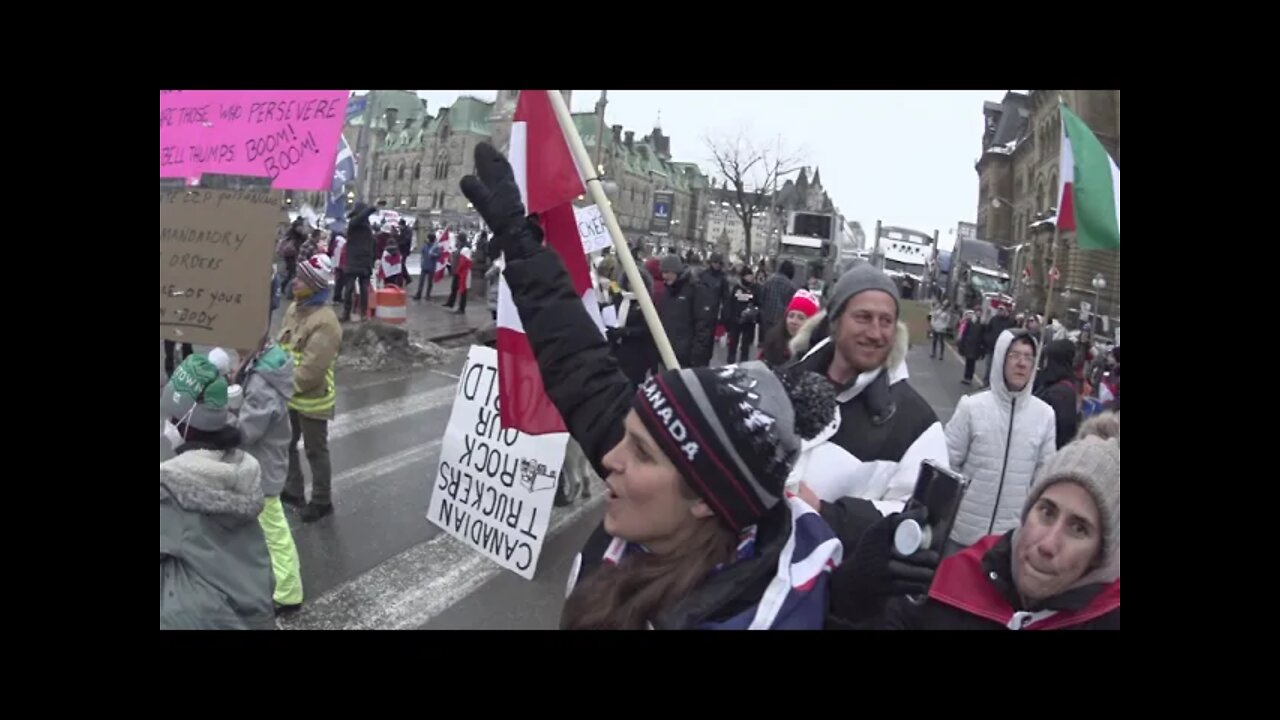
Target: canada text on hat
x=674 y=426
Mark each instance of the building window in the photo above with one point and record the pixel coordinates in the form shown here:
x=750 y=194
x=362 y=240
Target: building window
x=386 y=171
x=417 y=171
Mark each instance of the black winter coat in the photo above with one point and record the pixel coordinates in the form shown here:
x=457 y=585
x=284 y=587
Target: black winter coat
x=636 y=352
x=676 y=309
x=360 y=244
x=991 y=332
x=970 y=344
x=578 y=370
x=741 y=299
x=709 y=293
x=774 y=298
x=1056 y=385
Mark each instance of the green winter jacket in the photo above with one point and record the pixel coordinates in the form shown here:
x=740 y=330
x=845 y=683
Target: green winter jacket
x=215 y=571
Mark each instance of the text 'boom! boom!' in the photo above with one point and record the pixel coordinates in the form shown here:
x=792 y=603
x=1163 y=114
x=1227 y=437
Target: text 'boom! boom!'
x=290 y=136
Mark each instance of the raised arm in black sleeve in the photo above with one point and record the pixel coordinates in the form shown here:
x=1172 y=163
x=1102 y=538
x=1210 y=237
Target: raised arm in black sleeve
x=578 y=371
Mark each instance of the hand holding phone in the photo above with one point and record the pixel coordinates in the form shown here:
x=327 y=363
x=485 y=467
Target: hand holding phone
x=938 y=491
x=925 y=527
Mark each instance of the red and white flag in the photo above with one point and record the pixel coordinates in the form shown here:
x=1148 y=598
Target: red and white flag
x=549 y=181
x=446 y=256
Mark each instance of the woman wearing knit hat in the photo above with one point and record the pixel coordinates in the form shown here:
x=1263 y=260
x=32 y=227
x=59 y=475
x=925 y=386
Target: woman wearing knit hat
x=776 y=349
x=677 y=308
x=215 y=572
x=312 y=334
x=698 y=532
x=1059 y=570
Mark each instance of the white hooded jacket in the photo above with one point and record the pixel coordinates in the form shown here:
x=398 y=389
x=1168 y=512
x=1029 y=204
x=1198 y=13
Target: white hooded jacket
x=999 y=439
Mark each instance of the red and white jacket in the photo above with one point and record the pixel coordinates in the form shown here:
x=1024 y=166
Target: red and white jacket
x=463 y=270
x=963 y=583
x=340 y=252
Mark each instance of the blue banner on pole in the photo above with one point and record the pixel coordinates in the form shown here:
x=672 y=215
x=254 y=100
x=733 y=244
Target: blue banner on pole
x=663 y=209
x=356 y=107
x=344 y=172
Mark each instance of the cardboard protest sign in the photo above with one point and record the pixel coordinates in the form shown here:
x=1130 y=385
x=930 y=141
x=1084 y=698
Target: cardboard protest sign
x=215 y=265
x=495 y=486
x=290 y=136
x=595 y=236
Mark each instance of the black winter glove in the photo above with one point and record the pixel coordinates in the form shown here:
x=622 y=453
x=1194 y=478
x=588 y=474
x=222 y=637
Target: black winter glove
x=496 y=196
x=876 y=572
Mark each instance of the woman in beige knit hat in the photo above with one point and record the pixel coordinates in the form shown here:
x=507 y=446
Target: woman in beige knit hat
x=1060 y=569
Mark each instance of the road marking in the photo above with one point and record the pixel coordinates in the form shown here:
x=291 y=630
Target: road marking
x=389 y=411
x=448 y=375
x=407 y=591
x=383 y=466
x=377 y=380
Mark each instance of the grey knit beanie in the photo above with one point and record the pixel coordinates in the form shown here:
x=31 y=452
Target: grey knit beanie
x=671 y=264
x=860 y=278
x=1093 y=462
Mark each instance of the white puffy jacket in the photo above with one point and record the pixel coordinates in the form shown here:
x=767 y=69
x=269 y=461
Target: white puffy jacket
x=999 y=440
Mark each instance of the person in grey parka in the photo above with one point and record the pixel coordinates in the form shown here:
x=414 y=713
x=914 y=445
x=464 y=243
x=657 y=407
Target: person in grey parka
x=267 y=379
x=215 y=572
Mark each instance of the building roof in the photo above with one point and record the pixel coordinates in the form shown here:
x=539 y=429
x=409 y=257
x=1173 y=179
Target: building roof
x=1006 y=121
x=470 y=115
x=588 y=127
x=407 y=103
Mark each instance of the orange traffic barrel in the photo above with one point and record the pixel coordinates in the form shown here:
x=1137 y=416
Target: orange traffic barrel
x=391 y=305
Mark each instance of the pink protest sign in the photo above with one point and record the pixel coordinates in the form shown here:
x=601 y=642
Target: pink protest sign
x=290 y=136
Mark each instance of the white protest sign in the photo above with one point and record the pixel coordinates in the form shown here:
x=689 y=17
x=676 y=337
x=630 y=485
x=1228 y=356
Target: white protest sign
x=495 y=486
x=610 y=316
x=595 y=236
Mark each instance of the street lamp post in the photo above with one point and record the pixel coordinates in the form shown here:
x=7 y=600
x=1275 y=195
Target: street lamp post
x=1099 y=284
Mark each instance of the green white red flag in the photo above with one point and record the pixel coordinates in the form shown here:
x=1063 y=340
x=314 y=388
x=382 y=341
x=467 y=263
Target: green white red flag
x=1089 y=197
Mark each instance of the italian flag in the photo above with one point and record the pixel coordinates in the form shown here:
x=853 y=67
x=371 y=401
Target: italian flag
x=549 y=181
x=1089 y=199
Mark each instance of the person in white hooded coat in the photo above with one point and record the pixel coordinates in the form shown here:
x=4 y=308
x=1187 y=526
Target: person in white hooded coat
x=999 y=439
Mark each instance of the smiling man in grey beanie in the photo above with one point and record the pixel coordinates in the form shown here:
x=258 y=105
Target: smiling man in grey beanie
x=871 y=453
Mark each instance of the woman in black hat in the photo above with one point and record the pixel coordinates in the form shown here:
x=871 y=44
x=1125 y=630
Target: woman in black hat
x=698 y=532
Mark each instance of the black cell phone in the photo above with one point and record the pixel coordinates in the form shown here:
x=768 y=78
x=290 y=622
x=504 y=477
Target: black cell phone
x=940 y=491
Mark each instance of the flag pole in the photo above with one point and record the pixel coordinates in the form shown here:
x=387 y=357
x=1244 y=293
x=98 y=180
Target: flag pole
x=592 y=180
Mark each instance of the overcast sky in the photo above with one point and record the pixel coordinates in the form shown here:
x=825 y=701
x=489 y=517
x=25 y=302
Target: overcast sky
x=903 y=157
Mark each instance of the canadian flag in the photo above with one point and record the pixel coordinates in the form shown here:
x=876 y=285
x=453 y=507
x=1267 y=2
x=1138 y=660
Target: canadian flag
x=446 y=256
x=549 y=181
x=464 y=270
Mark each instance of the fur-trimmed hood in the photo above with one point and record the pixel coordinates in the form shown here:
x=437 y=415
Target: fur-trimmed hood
x=805 y=341
x=214 y=482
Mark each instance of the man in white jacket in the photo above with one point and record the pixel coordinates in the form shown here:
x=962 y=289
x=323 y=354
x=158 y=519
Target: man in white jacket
x=1000 y=439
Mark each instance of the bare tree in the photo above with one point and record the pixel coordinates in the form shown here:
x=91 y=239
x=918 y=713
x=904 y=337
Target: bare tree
x=751 y=173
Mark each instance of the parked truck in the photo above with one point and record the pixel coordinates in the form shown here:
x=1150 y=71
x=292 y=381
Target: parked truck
x=975 y=272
